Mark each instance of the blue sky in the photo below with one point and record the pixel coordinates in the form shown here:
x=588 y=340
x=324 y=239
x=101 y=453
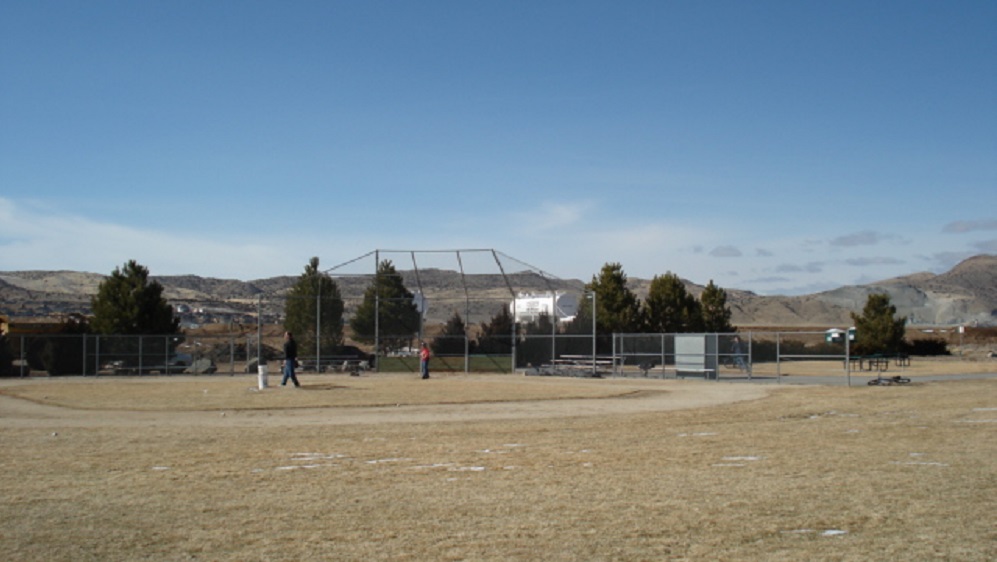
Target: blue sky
x=782 y=147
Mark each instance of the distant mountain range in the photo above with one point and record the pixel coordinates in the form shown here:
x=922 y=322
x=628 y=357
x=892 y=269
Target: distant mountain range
x=967 y=294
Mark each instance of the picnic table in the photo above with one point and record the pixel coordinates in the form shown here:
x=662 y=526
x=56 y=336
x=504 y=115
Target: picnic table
x=880 y=361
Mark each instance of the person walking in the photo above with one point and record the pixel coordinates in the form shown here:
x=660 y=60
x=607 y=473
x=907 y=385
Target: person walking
x=290 y=359
x=424 y=360
x=738 y=354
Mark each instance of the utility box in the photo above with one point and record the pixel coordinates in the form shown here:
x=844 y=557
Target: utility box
x=696 y=355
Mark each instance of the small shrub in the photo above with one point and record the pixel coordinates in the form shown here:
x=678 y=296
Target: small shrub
x=929 y=347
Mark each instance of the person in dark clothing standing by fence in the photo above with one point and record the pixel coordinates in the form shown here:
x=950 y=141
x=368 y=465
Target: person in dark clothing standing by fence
x=290 y=359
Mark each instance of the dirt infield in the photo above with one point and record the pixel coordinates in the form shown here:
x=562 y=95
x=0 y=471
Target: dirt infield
x=502 y=467
x=343 y=400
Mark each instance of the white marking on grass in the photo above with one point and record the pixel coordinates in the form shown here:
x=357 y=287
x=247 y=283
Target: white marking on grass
x=316 y=456
x=468 y=469
x=160 y=468
x=743 y=458
x=985 y=409
x=435 y=465
x=977 y=421
x=381 y=461
x=703 y=434
x=827 y=533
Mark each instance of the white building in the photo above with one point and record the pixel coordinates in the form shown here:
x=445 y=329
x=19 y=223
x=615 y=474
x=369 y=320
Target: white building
x=527 y=307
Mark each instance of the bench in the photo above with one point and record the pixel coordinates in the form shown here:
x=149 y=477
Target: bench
x=678 y=370
x=695 y=371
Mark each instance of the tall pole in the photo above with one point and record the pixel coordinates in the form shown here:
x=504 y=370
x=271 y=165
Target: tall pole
x=593 y=333
x=848 y=357
x=377 y=310
x=259 y=330
x=318 y=322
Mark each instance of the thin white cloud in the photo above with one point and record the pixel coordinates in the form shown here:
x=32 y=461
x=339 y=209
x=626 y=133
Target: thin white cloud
x=864 y=238
x=874 y=261
x=810 y=267
x=551 y=215
x=726 y=252
x=960 y=227
x=987 y=246
x=38 y=238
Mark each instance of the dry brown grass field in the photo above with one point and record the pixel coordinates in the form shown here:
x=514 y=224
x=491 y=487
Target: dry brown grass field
x=495 y=467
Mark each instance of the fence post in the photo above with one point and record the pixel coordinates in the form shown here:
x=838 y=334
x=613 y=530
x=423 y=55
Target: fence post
x=750 y=361
x=259 y=330
x=515 y=334
x=778 y=356
x=23 y=358
x=848 y=362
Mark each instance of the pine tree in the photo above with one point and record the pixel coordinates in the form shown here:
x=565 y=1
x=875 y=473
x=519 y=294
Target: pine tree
x=716 y=313
x=129 y=303
x=315 y=291
x=452 y=340
x=496 y=334
x=876 y=330
x=398 y=319
x=669 y=308
x=617 y=308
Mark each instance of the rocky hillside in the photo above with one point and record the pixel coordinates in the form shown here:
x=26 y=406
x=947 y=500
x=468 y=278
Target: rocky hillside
x=965 y=295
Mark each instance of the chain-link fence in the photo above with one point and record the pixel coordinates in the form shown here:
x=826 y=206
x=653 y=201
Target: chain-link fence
x=240 y=347
x=92 y=355
x=757 y=355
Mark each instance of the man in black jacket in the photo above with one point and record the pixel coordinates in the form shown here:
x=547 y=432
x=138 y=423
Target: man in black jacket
x=290 y=359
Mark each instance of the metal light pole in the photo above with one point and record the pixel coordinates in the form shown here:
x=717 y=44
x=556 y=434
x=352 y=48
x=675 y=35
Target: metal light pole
x=848 y=357
x=318 y=322
x=259 y=330
x=594 y=309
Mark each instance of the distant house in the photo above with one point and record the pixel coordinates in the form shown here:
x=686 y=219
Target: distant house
x=528 y=307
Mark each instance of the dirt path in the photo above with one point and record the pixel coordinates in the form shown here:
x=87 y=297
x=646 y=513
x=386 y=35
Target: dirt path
x=642 y=396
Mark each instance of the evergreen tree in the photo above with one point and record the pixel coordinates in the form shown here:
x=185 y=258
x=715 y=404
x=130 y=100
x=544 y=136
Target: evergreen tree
x=451 y=341
x=496 y=334
x=617 y=308
x=399 y=318
x=535 y=348
x=315 y=291
x=669 y=308
x=129 y=303
x=876 y=330
x=716 y=313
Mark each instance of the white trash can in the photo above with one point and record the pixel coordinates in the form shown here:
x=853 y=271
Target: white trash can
x=264 y=370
